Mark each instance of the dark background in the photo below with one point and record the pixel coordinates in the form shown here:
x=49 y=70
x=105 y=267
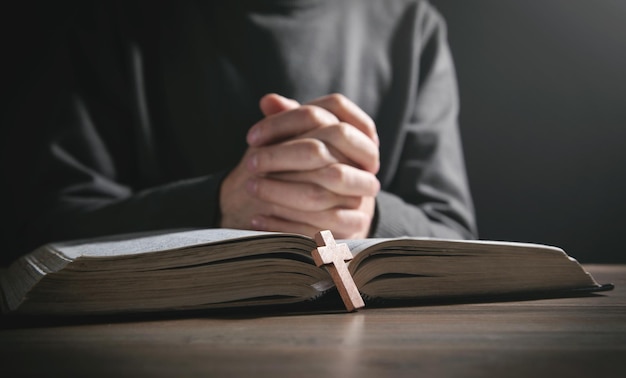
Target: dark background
x=543 y=117
x=543 y=112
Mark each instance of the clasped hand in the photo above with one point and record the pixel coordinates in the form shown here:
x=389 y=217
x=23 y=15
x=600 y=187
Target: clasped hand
x=308 y=167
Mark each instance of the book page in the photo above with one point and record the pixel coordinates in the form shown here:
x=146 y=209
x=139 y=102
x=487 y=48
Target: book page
x=141 y=243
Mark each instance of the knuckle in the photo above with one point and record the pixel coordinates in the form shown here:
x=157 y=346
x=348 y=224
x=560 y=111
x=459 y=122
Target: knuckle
x=335 y=173
x=261 y=189
x=315 y=195
x=308 y=111
x=265 y=159
x=317 y=115
x=338 y=99
x=349 y=221
x=354 y=202
x=357 y=221
x=272 y=210
x=363 y=221
x=372 y=162
x=312 y=113
x=315 y=149
x=345 y=130
x=335 y=218
x=375 y=186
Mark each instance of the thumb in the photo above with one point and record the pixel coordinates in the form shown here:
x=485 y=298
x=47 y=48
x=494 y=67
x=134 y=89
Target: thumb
x=273 y=103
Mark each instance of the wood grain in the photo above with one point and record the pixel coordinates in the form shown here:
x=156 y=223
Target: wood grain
x=568 y=337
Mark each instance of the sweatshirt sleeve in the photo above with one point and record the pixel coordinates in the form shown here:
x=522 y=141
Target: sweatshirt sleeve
x=80 y=158
x=425 y=189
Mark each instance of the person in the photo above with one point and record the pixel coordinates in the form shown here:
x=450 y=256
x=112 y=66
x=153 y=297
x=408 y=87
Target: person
x=279 y=115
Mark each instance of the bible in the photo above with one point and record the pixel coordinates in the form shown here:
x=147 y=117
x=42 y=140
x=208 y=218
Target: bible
x=204 y=269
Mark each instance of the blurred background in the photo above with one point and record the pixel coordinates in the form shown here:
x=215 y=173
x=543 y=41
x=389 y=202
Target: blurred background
x=543 y=117
x=543 y=112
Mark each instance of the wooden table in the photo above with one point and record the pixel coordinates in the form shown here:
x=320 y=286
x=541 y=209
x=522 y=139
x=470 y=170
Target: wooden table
x=568 y=337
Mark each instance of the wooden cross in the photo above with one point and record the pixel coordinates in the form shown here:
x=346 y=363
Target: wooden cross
x=334 y=257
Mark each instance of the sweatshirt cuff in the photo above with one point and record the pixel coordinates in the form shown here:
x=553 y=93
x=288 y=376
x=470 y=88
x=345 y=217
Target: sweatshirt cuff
x=395 y=218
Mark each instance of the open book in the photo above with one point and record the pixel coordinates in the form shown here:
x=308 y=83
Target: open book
x=219 y=268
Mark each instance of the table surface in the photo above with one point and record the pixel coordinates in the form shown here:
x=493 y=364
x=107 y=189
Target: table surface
x=565 y=337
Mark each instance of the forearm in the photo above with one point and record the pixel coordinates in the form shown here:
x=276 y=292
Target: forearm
x=397 y=218
x=181 y=204
x=425 y=191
